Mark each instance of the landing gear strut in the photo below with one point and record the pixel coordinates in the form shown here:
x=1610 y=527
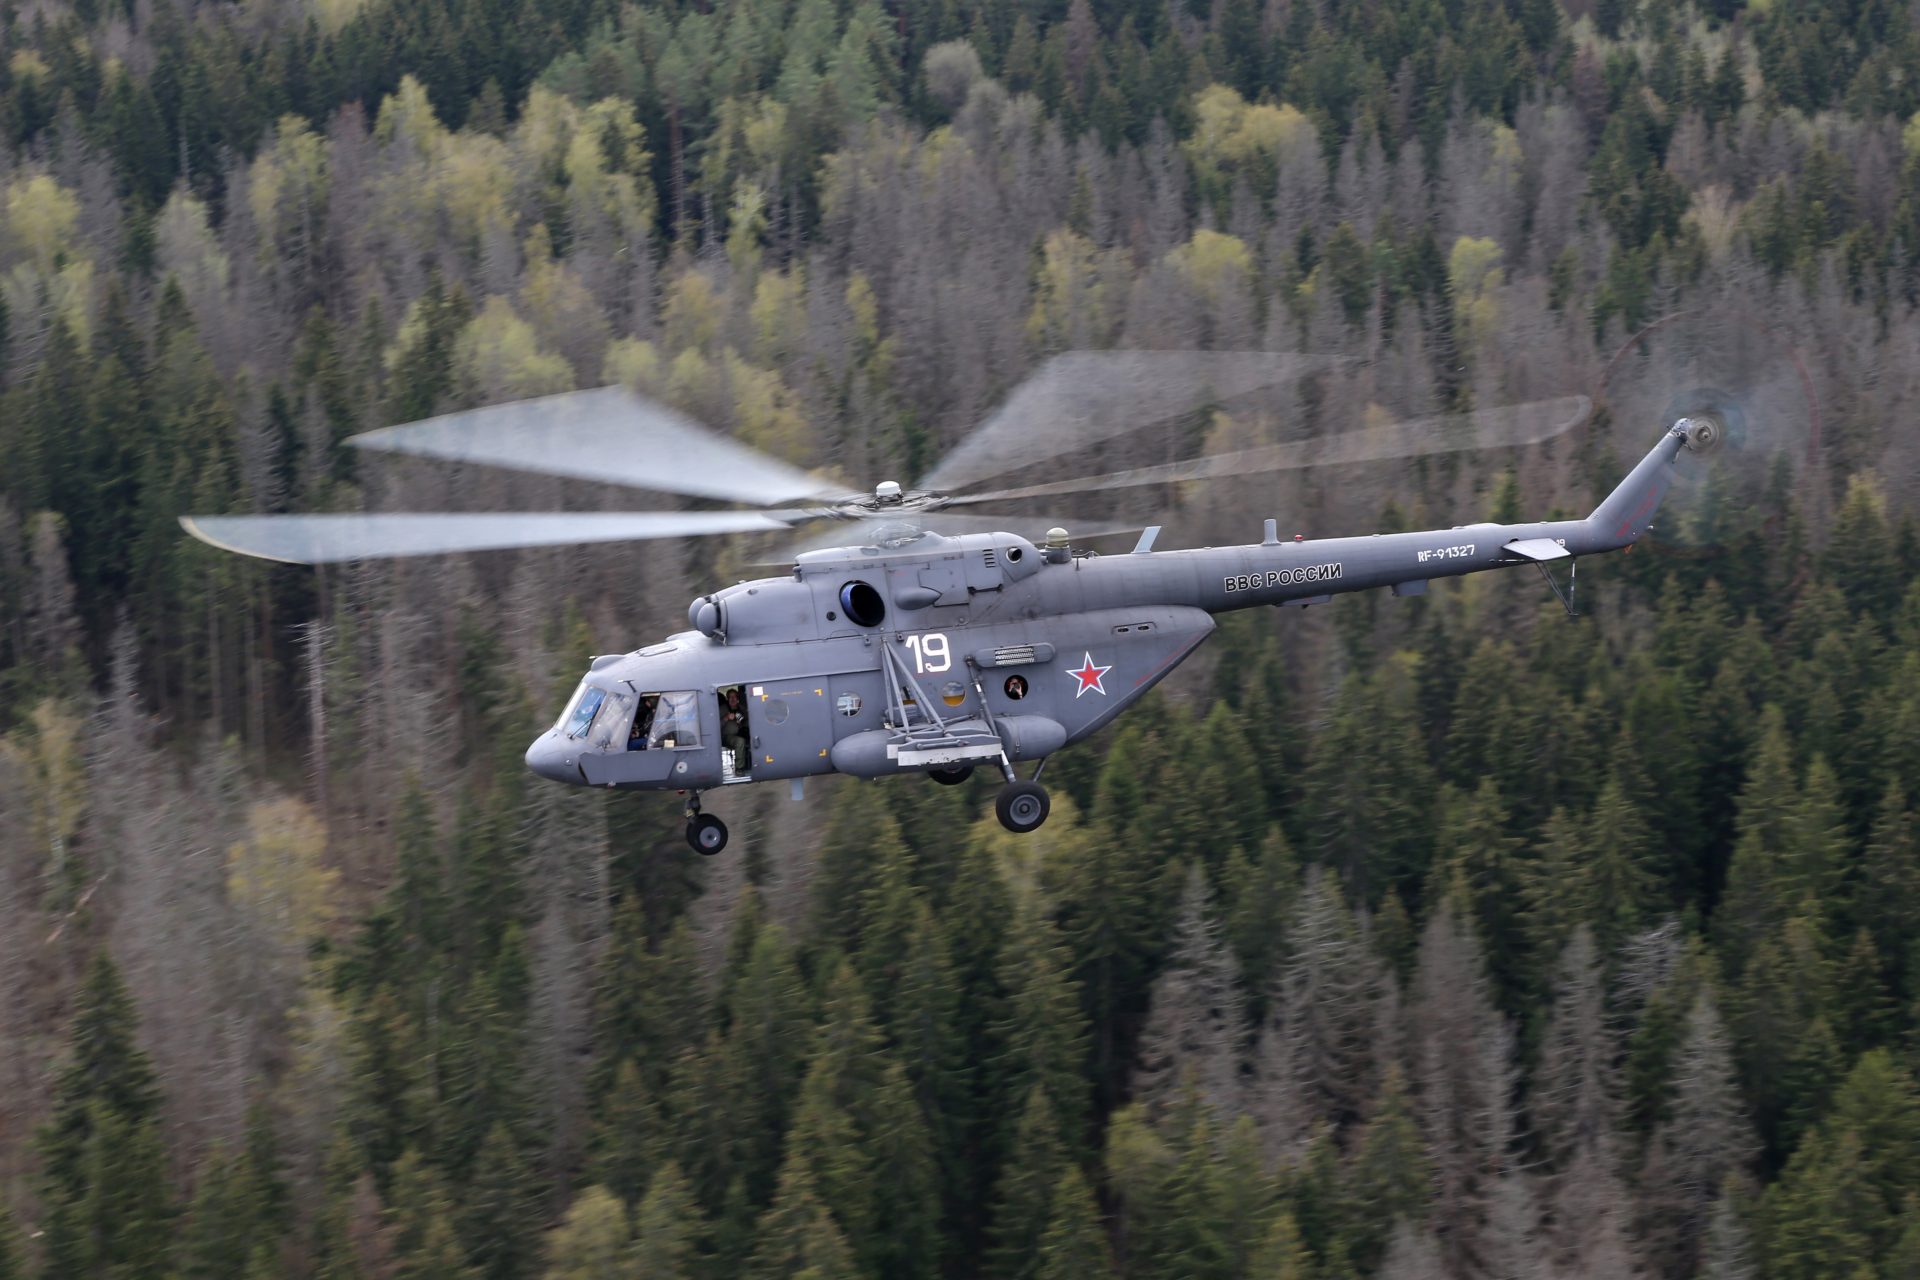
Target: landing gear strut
x=1022 y=806
x=706 y=833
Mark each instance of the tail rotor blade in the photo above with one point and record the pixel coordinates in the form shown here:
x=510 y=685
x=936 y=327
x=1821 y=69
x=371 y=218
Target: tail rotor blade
x=609 y=435
x=328 y=539
x=1083 y=398
x=1507 y=426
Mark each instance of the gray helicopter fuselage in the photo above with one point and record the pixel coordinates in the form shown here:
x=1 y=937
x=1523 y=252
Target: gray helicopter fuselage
x=982 y=647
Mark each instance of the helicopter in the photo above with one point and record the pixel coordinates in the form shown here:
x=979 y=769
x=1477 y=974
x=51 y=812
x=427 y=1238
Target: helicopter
x=903 y=649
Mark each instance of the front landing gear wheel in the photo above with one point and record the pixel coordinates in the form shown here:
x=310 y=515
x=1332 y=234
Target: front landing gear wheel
x=707 y=834
x=1022 y=806
x=951 y=777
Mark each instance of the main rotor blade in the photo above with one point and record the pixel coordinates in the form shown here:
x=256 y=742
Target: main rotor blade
x=902 y=529
x=326 y=539
x=610 y=435
x=1082 y=398
x=1483 y=429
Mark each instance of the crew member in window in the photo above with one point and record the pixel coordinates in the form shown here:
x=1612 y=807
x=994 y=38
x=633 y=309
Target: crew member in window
x=642 y=722
x=733 y=728
x=1016 y=687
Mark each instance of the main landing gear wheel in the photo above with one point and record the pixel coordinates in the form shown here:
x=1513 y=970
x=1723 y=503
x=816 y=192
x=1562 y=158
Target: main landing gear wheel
x=951 y=777
x=707 y=834
x=1022 y=806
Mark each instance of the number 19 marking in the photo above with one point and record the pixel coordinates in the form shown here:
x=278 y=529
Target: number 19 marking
x=931 y=653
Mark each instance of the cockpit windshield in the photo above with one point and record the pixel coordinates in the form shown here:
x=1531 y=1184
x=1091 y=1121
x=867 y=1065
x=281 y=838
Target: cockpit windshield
x=611 y=726
x=586 y=701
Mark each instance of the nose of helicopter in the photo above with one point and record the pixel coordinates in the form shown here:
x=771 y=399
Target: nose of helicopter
x=552 y=756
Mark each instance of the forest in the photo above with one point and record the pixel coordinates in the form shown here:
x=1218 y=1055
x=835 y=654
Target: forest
x=1397 y=938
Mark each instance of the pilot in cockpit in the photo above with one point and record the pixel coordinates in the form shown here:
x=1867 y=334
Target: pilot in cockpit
x=642 y=722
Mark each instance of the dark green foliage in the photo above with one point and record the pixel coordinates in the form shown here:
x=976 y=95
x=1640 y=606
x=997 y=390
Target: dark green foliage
x=1023 y=1200
x=1840 y=1203
x=1074 y=1246
x=104 y=1183
x=238 y=1213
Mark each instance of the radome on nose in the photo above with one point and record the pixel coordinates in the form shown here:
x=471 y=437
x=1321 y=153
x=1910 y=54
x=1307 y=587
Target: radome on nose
x=552 y=756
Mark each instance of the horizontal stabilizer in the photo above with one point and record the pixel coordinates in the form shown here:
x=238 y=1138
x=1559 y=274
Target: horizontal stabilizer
x=1536 y=549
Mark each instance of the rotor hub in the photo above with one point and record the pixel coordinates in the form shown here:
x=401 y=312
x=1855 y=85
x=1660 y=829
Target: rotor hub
x=1703 y=432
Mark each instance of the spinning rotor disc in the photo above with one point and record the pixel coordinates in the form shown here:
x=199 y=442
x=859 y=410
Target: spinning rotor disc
x=1076 y=403
x=1755 y=436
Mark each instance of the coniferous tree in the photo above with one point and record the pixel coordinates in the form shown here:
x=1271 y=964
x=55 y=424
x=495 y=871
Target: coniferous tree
x=1367 y=790
x=235 y=1213
x=1196 y=1025
x=1708 y=1140
x=1758 y=893
x=667 y=1227
x=926 y=1039
x=905 y=1242
x=594 y=1241
x=1889 y=895
x=1023 y=1199
x=1258 y=892
x=1044 y=1032
x=1074 y=1247
x=1107 y=888
x=420 y=1219
x=500 y=1215
x=1322 y=1004
x=104 y=1176
x=799 y=1237
x=631 y=1138
x=1389 y=1178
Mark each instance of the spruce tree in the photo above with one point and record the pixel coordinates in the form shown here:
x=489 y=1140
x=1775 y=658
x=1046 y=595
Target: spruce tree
x=235 y=1213
x=1108 y=889
x=1888 y=896
x=1708 y=1142
x=1758 y=892
x=1369 y=788
x=1473 y=849
x=1388 y=1181
x=1196 y=1024
x=1323 y=1002
x=594 y=1241
x=667 y=1228
x=500 y=1210
x=1073 y=1247
x=1258 y=892
x=103 y=1181
x=906 y=1241
x=798 y=1238
x=1023 y=1197
x=631 y=1136
x=926 y=1041
x=1044 y=1032
x=1283 y=1255
x=1621 y=886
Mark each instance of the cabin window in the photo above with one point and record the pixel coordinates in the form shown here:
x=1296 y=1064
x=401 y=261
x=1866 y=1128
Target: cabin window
x=676 y=721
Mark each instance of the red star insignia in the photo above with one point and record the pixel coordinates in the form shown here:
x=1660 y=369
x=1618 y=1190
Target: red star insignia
x=1090 y=676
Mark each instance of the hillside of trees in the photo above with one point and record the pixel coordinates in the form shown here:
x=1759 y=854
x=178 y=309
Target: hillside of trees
x=1399 y=938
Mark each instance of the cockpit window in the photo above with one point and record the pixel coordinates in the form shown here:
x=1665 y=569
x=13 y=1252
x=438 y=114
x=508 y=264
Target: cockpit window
x=580 y=715
x=615 y=719
x=676 y=721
